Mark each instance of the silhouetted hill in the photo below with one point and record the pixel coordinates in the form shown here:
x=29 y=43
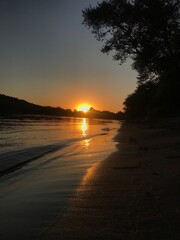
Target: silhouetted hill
x=12 y=105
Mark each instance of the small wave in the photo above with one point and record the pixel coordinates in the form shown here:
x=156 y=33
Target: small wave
x=11 y=161
x=14 y=160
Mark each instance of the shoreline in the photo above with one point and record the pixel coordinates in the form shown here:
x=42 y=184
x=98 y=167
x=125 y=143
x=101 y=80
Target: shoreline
x=134 y=193
x=36 y=195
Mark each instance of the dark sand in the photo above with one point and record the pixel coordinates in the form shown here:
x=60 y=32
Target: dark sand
x=133 y=194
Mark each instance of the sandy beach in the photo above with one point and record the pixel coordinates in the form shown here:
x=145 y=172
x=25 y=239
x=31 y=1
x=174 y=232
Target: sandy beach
x=134 y=193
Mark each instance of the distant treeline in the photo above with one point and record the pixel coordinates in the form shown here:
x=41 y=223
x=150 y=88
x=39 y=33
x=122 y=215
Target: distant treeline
x=11 y=106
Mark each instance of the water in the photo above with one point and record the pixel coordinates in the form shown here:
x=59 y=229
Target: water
x=42 y=161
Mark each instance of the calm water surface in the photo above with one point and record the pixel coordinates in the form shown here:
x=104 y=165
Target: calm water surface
x=57 y=152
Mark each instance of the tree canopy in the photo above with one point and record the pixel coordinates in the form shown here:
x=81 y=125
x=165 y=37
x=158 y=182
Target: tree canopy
x=146 y=31
x=143 y=30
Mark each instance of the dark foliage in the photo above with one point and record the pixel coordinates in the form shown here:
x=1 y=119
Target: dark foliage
x=92 y=113
x=137 y=104
x=148 y=33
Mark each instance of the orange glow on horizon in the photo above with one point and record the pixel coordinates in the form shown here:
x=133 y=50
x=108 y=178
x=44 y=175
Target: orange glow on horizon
x=84 y=107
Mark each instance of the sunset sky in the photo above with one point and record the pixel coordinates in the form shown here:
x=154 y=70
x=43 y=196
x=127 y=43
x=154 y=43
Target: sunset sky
x=48 y=57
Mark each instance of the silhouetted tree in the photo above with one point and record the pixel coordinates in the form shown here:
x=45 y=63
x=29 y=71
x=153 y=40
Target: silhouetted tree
x=147 y=32
x=139 y=103
x=120 y=115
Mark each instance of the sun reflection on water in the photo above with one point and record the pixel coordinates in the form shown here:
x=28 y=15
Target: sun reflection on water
x=84 y=127
x=86 y=143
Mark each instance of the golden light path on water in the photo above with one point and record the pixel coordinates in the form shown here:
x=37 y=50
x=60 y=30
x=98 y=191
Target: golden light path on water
x=84 y=128
x=86 y=143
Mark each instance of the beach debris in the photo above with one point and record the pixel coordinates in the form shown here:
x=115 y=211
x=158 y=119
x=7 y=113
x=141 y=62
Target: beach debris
x=106 y=129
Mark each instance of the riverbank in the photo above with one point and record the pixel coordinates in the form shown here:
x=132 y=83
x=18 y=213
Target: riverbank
x=133 y=194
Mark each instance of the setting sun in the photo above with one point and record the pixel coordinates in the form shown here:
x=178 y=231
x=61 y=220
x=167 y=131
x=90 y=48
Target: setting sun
x=84 y=107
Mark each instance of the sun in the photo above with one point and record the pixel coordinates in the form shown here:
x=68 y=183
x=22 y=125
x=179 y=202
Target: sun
x=84 y=107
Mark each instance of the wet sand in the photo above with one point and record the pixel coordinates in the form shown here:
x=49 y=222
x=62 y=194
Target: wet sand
x=133 y=194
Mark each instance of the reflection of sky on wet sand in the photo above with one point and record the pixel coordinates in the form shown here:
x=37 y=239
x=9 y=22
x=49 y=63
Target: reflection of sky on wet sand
x=89 y=174
x=88 y=179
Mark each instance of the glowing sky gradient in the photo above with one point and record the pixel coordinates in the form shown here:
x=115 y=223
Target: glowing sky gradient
x=48 y=57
